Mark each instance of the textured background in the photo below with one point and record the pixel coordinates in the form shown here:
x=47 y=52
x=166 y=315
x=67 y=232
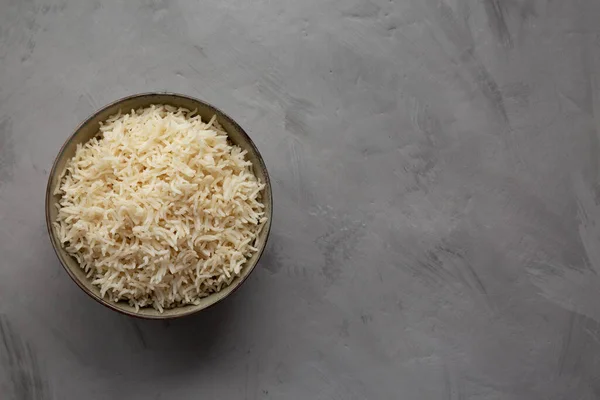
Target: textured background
x=435 y=167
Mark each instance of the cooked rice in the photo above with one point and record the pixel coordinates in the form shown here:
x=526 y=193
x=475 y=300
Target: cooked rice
x=159 y=210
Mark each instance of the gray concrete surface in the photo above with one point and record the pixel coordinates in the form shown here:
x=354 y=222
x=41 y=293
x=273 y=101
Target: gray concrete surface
x=436 y=177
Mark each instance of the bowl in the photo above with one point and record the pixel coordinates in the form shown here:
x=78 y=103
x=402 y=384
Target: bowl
x=90 y=128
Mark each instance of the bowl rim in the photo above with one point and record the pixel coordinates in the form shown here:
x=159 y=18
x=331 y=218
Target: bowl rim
x=49 y=195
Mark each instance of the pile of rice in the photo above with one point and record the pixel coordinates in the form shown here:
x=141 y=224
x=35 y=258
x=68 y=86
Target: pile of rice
x=160 y=210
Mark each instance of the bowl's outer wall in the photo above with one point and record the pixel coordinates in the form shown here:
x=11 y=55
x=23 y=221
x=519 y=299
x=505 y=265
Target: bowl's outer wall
x=89 y=129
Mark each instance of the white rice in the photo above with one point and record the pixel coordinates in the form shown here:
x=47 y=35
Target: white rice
x=159 y=210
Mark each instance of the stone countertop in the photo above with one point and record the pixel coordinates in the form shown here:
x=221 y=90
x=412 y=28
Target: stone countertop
x=435 y=167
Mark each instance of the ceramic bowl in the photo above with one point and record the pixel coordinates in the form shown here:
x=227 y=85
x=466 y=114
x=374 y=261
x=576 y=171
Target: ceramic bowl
x=90 y=128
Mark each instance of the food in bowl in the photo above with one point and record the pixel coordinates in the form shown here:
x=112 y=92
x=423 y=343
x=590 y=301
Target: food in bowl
x=159 y=209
